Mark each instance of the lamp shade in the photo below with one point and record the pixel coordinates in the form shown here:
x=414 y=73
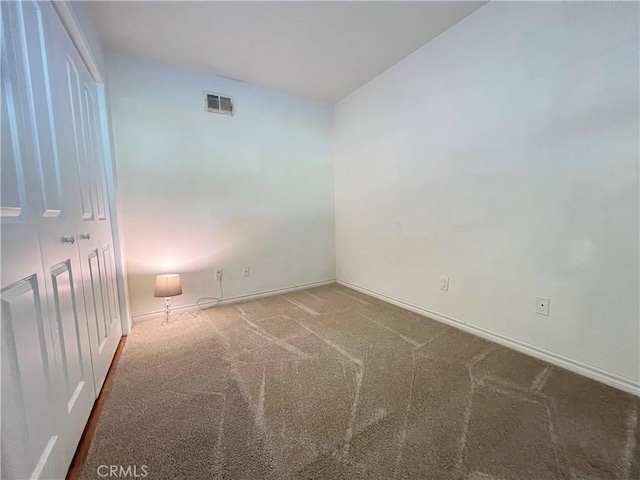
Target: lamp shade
x=168 y=285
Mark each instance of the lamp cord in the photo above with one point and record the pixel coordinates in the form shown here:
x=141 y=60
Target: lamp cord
x=199 y=304
x=209 y=299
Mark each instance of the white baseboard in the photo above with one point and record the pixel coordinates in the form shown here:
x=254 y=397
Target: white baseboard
x=623 y=383
x=238 y=298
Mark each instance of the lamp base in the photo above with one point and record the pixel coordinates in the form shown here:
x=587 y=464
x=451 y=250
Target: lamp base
x=167 y=310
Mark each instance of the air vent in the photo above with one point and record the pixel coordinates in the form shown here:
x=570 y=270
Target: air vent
x=216 y=103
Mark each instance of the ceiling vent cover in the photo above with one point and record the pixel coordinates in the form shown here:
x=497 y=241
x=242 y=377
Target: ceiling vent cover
x=216 y=103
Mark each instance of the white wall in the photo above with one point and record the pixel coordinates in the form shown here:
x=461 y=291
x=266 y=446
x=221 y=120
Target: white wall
x=200 y=191
x=504 y=155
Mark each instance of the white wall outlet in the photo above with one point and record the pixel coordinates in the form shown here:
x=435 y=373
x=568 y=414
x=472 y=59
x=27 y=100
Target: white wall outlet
x=444 y=283
x=246 y=272
x=219 y=274
x=542 y=305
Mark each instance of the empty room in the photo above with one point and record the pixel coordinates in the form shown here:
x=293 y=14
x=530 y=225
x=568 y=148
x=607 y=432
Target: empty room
x=320 y=240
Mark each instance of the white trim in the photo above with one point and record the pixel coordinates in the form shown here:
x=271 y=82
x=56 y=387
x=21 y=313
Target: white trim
x=72 y=26
x=238 y=298
x=617 y=381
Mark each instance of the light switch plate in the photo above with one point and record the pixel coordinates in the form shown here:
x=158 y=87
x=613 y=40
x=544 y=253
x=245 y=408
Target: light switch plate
x=444 y=283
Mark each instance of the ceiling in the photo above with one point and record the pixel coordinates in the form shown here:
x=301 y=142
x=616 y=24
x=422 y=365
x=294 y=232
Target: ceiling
x=318 y=50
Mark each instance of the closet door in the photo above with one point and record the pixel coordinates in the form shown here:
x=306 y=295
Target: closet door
x=82 y=147
x=34 y=443
x=57 y=226
x=60 y=325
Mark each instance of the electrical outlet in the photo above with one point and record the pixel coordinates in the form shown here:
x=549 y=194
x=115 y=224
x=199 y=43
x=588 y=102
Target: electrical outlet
x=246 y=272
x=444 y=283
x=542 y=306
x=219 y=274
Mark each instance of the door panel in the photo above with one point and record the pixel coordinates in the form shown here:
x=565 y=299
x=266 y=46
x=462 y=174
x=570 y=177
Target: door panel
x=77 y=130
x=28 y=437
x=31 y=444
x=107 y=260
x=15 y=143
x=110 y=280
x=41 y=120
x=12 y=188
x=91 y=134
x=97 y=294
x=71 y=336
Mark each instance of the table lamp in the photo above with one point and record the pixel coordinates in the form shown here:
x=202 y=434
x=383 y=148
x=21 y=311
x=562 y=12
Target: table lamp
x=167 y=286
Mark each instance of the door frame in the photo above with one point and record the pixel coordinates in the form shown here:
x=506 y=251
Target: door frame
x=69 y=19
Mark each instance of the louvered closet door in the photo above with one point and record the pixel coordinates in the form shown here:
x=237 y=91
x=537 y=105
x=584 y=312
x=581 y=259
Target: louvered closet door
x=83 y=148
x=47 y=381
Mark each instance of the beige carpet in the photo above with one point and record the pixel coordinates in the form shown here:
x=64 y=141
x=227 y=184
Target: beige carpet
x=332 y=384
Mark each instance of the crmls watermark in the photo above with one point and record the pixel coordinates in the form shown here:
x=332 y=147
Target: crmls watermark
x=123 y=471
